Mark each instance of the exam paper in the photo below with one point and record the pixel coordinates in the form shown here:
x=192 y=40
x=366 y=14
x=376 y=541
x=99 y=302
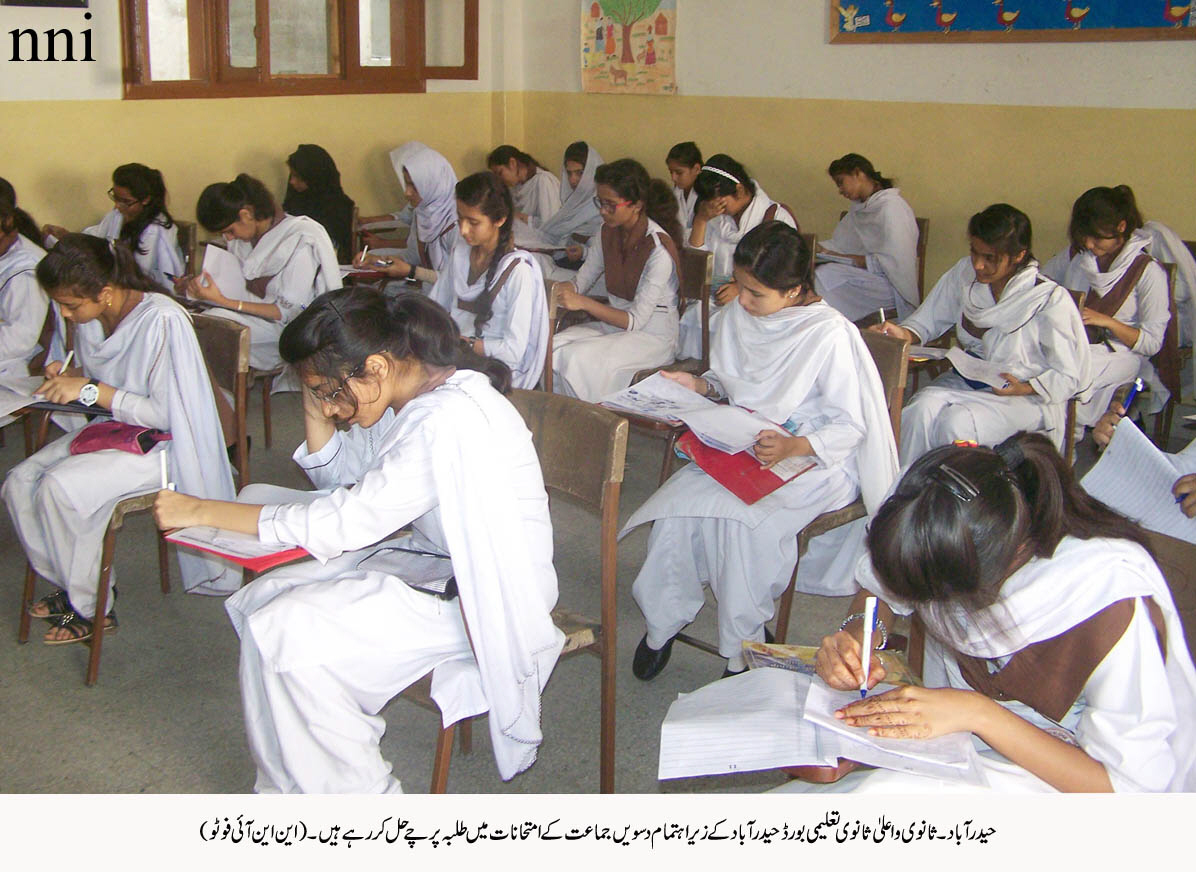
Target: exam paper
x=977 y=369
x=16 y=392
x=225 y=270
x=727 y=428
x=926 y=352
x=656 y=397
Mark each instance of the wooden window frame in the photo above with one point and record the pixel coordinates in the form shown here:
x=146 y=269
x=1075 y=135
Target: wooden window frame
x=208 y=41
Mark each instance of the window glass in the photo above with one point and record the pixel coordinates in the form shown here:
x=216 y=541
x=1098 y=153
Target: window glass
x=169 y=46
x=299 y=38
x=242 y=44
x=444 y=33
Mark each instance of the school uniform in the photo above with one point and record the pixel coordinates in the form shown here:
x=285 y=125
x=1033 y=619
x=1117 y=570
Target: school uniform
x=325 y=645
x=577 y=217
x=1090 y=647
x=638 y=273
x=61 y=503
x=722 y=236
x=1034 y=332
x=686 y=203
x=434 y=229
x=518 y=329
x=884 y=230
x=295 y=262
x=808 y=368
x=157 y=250
x=539 y=197
x=23 y=307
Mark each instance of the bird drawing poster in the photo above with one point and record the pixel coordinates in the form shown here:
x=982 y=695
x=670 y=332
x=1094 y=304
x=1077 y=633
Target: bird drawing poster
x=1010 y=20
x=628 y=46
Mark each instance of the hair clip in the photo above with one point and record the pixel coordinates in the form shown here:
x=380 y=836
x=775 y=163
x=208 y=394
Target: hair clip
x=332 y=303
x=955 y=482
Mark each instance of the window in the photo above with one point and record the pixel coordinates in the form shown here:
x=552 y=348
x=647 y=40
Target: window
x=250 y=48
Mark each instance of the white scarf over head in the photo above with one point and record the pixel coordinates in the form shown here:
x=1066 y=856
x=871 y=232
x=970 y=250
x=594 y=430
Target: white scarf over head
x=768 y=364
x=278 y=245
x=577 y=214
x=434 y=178
x=884 y=227
x=1084 y=274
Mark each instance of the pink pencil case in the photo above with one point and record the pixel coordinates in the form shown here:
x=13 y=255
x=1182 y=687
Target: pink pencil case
x=102 y=435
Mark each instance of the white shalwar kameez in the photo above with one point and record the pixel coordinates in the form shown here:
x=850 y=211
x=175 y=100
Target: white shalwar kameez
x=518 y=329
x=23 y=307
x=685 y=208
x=539 y=198
x=882 y=228
x=1034 y=332
x=157 y=251
x=808 y=367
x=592 y=360
x=1146 y=308
x=577 y=216
x=61 y=503
x=722 y=236
x=325 y=645
x=300 y=260
x=1136 y=712
x=434 y=229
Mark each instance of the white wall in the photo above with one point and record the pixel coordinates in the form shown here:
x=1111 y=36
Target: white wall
x=779 y=48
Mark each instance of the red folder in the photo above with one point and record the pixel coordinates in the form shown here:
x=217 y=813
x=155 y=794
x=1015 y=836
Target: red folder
x=254 y=564
x=740 y=473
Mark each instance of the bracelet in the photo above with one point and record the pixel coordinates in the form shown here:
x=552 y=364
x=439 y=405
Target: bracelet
x=880 y=625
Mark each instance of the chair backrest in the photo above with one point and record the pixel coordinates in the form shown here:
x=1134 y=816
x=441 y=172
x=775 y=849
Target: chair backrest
x=1191 y=244
x=1167 y=361
x=546 y=376
x=189 y=243
x=891 y=356
x=811 y=240
x=355 y=233
x=697 y=272
x=1177 y=561
x=225 y=348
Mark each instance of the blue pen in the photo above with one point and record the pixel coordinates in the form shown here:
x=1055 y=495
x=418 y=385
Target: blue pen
x=866 y=646
x=1135 y=389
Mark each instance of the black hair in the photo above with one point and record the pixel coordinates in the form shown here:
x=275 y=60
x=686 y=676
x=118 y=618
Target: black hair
x=685 y=153
x=709 y=185
x=220 y=203
x=1004 y=228
x=962 y=519
x=577 y=151
x=324 y=200
x=1098 y=211
x=333 y=336
x=628 y=178
x=14 y=217
x=504 y=154
x=85 y=264
x=144 y=183
x=484 y=191
x=853 y=162
x=776 y=255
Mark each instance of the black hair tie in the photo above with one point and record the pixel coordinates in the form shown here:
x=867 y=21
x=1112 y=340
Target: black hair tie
x=1010 y=451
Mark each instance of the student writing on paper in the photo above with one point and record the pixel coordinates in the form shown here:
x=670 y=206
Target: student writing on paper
x=785 y=354
x=1184 y=489
x=138 y=356
x=880 y=235
x=23 y=304
x=431 y=442
x=140 y=219
x=494 y=291
x=536 y=192
x=729 y=204
x=428 y=181
x=1003 y=311
x=314 y=189
x=1051 y=634
x=684 y=162
x=634 y=260
x=286 y=260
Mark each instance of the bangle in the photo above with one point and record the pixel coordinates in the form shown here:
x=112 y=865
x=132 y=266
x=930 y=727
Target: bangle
x=880 y=625
x=710 y=393
x=239 y=304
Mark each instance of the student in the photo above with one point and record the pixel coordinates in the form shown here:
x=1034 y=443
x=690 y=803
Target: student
x=578 y=216
x=634 y=260
x=1003 y=311
x=1126 y=309
x=534 y=190
x=1051 y=634
x=23 y=304
x=428 y=182
x=314 y=189
x=136 y=354
x=880 y=235
x=325 y=645
x=287 y=260
x=1184 y=489
x=782 y=352
x=729 y=204
x=495 y=292
x=141 y=221
x=684 y=162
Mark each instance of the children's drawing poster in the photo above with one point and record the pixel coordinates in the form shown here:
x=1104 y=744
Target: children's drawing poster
x=1010 y=20
x=629 y=46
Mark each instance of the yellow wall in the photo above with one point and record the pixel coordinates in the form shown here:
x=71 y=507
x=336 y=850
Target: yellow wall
x=949 y=160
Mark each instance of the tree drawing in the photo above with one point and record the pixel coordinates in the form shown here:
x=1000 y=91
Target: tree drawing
x=628 y=13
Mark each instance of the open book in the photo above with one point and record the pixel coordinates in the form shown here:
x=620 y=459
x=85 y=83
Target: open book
x=657 y=397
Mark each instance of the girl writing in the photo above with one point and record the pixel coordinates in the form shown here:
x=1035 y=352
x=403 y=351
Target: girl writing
x=534 y=190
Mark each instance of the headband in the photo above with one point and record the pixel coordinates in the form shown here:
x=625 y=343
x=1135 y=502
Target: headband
x=726 y=175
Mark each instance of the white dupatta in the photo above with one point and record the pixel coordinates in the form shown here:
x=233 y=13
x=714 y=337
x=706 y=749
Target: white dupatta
x=577 y=214
x=1083 y=273
x=884 y=227
x=278 y=245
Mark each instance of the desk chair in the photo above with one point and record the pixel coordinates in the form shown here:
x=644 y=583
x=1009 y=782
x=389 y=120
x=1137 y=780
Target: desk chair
x=267 y=376
x=1167 y=363
x=189 y=243
x=582 y=449
x=546 y=375
x=225 y=348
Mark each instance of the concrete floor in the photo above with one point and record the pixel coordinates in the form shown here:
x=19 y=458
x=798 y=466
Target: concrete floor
x=165 y=716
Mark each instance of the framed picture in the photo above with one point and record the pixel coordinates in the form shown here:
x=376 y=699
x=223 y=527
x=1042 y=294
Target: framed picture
x=863 y=21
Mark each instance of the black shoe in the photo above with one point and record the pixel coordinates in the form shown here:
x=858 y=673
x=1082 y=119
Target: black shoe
x=648 y=662
x=728 y=672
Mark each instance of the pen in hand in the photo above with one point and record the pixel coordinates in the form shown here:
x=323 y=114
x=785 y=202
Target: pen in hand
x=866 y=645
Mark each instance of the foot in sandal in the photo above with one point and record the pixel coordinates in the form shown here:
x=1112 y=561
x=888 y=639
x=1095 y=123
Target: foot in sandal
x=50 y=607
x=73 y=627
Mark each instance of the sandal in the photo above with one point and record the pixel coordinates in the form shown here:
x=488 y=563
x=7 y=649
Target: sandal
x=56 y=605
x=79 y=628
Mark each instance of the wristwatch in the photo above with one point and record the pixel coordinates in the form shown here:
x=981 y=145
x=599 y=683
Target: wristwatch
x=89 y=393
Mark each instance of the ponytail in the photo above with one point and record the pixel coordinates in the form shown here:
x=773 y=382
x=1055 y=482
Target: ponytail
x=629 y=179
x=504 y=154
x=221 y=203
x=13 y=217
x=86 y=264
x=719 y=177
x=853 y=162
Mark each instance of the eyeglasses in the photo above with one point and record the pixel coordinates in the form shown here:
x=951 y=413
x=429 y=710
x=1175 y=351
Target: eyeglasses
x=121 y=201
x=608 y=205
x=333 y=398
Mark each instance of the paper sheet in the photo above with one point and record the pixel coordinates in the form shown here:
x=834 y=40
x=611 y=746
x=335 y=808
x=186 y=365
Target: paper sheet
x=656 y=397
x=225 y=270
x=16 y=392
x=926 y=352
x=727 y=428
x=1135 y=478
x=976 y=369
x=824 y=257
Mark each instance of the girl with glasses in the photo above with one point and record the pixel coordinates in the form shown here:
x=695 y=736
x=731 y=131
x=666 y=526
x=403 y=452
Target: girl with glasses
x=139 y=219
x=430 y=442
x=634 y=260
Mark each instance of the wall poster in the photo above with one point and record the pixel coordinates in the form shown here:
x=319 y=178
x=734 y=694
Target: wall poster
x=628 y=46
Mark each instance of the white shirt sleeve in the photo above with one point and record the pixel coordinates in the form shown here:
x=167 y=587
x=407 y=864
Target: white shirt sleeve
x=940 y=310
x=841 y=403
x=23 y=307
x=545 y=197
x=657 y=288
x=345 y=457
x=293 y=289
x=1153 y=310
x=593 y=267
x=1065 y=346
x=152 y=410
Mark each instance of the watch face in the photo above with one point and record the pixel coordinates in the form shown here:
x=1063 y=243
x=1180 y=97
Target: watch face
x=89 y=394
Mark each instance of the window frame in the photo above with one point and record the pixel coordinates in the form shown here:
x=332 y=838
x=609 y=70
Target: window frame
x=215 y=77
